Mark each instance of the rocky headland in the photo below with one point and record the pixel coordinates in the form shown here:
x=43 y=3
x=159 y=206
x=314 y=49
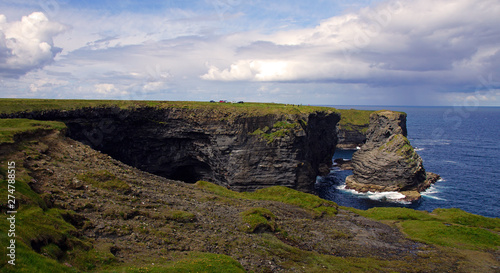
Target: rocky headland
x=387 y=161
x=243 y=151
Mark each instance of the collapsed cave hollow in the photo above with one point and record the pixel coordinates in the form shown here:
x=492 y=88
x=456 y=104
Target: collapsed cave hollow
x=201 y=144
x=191 y=173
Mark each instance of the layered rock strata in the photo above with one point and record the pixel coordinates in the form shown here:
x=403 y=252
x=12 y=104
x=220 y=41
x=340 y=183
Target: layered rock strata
x=352 y=137
x=387 y=161
x=242 y=152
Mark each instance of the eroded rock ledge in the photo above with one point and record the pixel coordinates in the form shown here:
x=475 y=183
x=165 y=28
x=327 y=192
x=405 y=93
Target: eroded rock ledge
x=241 y=151
x=388 y=162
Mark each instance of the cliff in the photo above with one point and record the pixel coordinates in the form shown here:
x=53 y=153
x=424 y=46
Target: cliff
x=387 y=161
x=239 y=150
x=352 y=128
x=79 y=210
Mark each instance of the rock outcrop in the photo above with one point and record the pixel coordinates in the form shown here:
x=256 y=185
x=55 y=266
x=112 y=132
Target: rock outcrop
x=387 y=161
x=243 y=152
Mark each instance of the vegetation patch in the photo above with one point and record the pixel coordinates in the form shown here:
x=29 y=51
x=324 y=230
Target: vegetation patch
x=279 y=130
x=191 y=262
x=354 y=120
x=445 y=227
x=180 y=216
x=315 y=262
x=452 y=235
x=104 y=180
x=307 y=201
x=257 y=220
x=9 y=128
x=8 y=106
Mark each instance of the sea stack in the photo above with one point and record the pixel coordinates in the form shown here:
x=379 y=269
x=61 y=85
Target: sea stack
x=387 y=161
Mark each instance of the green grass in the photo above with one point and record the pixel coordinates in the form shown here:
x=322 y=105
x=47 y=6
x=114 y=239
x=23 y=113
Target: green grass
x=310 y=202
x=354 y=117
x=452 y=235
x=258 y=220
x=445 y=227
x=180 y=216
x=104 y=180
x=28 y=260
x=8 y=106
x=192 y=262
x=9 y=128
x=279 y=130
x=315 y=262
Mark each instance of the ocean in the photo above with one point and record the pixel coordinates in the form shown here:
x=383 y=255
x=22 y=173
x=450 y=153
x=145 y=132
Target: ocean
x=461 y=144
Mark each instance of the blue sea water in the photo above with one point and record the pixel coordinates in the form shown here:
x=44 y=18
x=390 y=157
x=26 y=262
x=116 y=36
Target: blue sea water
x=461 y=144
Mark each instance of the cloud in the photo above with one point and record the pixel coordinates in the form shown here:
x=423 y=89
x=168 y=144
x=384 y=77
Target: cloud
x=27 y=44
x=108 y=89
x=46 y=84
x=372 y=52
x=395 y=43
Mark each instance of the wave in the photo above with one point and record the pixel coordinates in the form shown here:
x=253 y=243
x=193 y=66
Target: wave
x=432 y=191
x=419 y=149
x=390 y=196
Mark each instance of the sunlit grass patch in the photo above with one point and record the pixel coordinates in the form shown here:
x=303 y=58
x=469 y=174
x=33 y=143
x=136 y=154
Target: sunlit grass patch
x=258 y=220
x=180 y=216
x=104 y=180
x=9 y=128
x=8 y=106
x=445 y=227
x=282 y=194
x=452 y=235
x=192 y=262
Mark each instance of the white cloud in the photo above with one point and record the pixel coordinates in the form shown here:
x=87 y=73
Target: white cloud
x=108 y=89
x=153 y=86
x=395 y=43
x=46 y=84
x=27 y=44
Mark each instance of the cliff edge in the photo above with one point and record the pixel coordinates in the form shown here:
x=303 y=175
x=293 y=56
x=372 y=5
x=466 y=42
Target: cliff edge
x=242 y=147
x=387 y=161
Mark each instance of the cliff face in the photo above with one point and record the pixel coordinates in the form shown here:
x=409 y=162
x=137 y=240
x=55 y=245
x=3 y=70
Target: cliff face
x=352 y=137
x=242 y=152
x=387 y=162
x=352 y=128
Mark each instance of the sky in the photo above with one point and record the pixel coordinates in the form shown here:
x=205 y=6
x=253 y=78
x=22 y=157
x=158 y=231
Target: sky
x=324 y=52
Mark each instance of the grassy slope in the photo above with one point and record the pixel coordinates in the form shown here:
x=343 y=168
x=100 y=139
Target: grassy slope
x=444 y=227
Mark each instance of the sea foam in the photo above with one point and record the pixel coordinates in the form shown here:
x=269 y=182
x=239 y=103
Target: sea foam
x=390 y=196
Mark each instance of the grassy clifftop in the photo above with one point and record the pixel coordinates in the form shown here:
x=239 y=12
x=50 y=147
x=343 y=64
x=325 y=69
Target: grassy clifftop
x=8 y=106
x=10 y=128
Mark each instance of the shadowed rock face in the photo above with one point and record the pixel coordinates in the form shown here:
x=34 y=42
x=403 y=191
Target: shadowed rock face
x=196 y=144
x=387 y=162
x=350 y=139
